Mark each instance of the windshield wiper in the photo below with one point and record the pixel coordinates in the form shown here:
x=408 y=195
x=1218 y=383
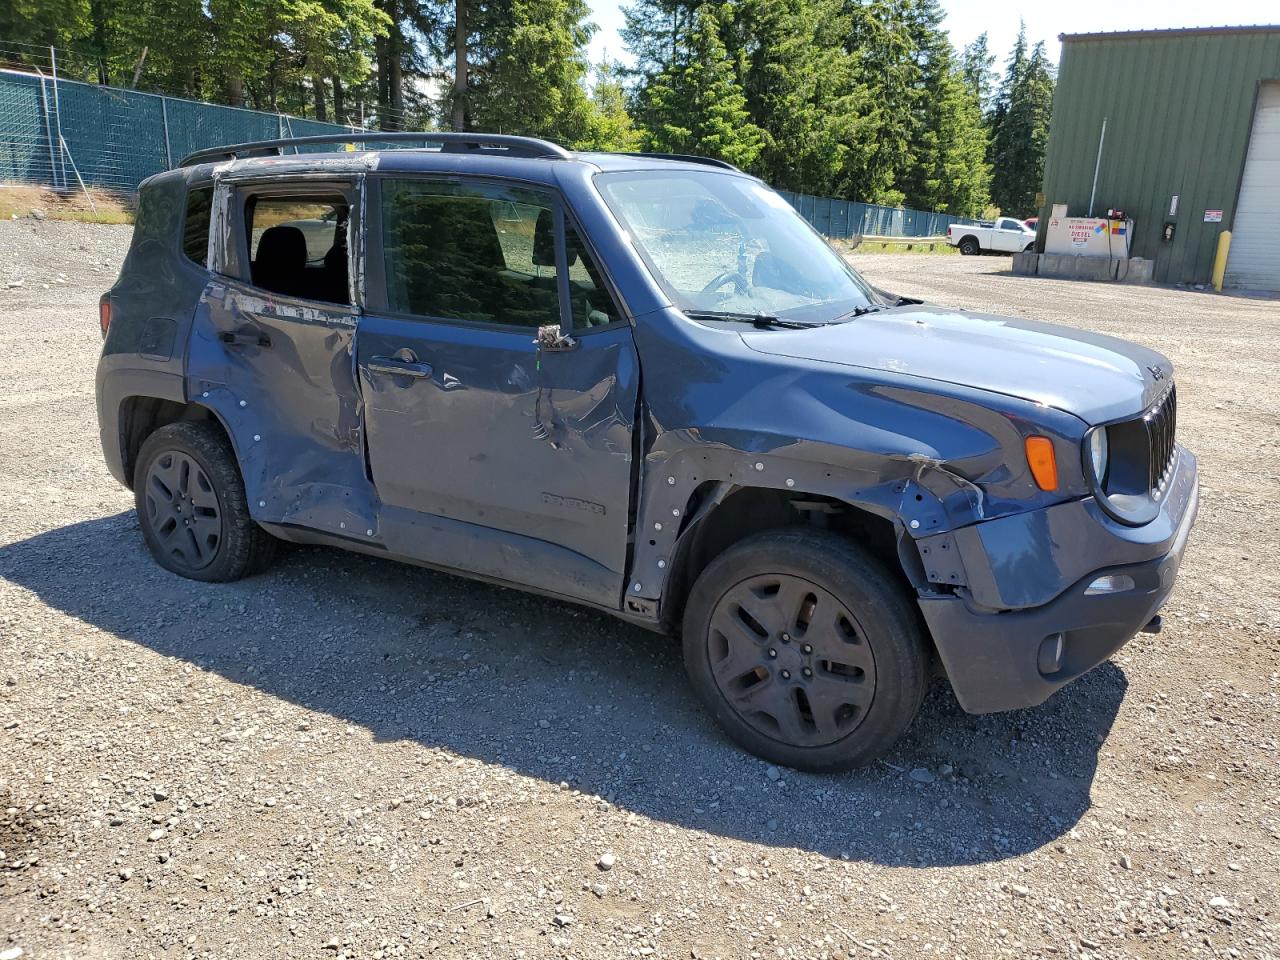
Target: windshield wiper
x=867 y=308
x=762 y=321
x=861 y=311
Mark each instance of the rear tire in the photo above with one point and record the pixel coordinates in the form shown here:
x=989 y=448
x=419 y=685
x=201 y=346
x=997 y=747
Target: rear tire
x=805 y=649
x=969 y=247
x=192 y=506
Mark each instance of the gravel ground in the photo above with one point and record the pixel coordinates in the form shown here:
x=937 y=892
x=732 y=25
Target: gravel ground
x=348 y=758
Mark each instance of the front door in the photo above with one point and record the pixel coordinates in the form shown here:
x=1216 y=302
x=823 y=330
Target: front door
x=490 y=451
x=1009 y=236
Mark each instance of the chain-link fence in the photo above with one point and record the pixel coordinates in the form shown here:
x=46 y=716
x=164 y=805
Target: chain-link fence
x=848 y=218
x=67 y=135
x=64 y=133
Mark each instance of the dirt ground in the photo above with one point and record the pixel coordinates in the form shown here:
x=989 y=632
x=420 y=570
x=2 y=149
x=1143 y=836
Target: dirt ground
x=348 y=758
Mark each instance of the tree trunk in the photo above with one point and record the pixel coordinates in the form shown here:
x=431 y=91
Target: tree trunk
x=395 y=80
x=390 y=52
x=339 y=107
x=317 y=89
x=235 y=91
x=98 y=14
x=460 y=65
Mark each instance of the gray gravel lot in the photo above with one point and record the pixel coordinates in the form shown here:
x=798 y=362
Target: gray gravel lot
x=349 y=758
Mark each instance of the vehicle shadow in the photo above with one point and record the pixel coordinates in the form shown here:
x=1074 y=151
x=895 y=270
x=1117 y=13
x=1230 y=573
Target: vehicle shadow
x=565 y=694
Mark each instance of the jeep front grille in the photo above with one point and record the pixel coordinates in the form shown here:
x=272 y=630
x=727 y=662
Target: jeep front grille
x=1143 y=454
x=1161 y=422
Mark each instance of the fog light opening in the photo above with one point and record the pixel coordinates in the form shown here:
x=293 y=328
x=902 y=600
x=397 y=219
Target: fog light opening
x=1114 y=583
x=1051 y=649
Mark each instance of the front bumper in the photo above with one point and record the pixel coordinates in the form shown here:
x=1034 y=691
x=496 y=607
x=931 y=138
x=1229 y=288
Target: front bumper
x=993 y=656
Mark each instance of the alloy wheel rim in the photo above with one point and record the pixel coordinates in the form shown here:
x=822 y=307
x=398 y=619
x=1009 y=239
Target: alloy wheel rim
x=182 y=509
x=791 y=660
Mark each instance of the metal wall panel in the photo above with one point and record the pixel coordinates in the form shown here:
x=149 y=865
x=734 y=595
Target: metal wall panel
x=1179 y=107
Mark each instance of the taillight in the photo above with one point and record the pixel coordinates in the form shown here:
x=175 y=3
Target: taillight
x=104 y=315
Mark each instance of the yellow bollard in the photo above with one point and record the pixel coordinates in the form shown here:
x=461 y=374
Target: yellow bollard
x=1220 y=259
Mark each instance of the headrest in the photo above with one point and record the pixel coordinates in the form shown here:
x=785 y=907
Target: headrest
x=283 y=247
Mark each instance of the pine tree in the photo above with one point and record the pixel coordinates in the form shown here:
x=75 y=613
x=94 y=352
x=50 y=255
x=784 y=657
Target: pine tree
x=882 y=48
x=947 y=169
x=527 y=68
x=977 y=63
x=696 y=104
x=796 y=81
x=1021 y=129
x=611 y=127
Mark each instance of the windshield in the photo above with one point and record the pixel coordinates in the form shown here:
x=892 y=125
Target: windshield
x=720 y=243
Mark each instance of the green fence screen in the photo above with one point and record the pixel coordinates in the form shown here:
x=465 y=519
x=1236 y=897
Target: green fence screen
x=62 y=134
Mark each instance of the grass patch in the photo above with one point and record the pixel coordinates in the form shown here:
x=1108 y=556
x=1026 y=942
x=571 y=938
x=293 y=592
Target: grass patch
x=925 y=245
x=24 y=200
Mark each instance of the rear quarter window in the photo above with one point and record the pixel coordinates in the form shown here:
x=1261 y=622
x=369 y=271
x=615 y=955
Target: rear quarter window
x=195 y=226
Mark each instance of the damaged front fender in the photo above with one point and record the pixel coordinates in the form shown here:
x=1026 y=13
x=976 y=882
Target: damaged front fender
x=931 y=461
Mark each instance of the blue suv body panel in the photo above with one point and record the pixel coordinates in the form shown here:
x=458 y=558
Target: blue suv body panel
x=589 y=473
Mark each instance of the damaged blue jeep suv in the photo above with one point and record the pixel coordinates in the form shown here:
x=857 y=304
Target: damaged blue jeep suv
x=644 y=384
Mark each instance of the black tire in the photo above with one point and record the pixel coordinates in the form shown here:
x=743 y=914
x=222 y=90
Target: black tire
x=850 y=710
x=1029 y=247
x=969 y=247
x=192 y=507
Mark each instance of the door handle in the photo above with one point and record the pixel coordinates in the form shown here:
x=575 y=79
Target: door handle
x=245 y=337
x=398 y=368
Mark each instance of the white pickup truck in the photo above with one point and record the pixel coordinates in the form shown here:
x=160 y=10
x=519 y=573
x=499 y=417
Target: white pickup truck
x=1006 y=235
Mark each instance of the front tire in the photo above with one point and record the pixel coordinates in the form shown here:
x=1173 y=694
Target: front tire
x=192 y=507
x=805 y=649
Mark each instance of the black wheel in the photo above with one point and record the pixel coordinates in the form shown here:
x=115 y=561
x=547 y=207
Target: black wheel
x=192 y=507
x=1029 y=247
x=969 y=247
x=805 y=649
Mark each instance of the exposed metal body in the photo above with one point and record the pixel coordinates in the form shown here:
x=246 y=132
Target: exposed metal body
x=595 y=472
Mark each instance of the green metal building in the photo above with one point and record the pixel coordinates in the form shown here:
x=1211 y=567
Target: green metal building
x=1191 y=148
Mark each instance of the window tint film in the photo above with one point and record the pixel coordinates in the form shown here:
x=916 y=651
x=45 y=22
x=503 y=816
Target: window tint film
x=480 y=253
x=298 y=246
x=589 y=300
x=195 y=229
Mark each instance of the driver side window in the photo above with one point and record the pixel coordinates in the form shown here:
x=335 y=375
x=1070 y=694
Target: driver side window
x=589 y=299
x=477 y=253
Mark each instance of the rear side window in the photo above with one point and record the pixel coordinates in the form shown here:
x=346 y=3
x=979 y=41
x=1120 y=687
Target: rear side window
x=298 y=245
x=195 y=228
x=472 y=252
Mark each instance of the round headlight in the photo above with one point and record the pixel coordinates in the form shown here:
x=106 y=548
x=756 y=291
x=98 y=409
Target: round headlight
x=1098 y=454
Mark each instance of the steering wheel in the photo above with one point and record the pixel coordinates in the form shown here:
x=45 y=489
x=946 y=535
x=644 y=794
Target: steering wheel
x=740 y=283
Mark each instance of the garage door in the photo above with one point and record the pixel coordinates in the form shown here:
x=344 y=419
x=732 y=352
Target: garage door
x=1254 y=261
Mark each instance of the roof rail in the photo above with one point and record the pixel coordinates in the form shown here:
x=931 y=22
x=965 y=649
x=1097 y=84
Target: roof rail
x=499 y=144
x=685 y=158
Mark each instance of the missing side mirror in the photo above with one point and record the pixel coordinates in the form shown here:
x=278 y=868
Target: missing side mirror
x=550 y=338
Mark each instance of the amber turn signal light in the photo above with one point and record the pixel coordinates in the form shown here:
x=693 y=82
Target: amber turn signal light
x=1043 y=463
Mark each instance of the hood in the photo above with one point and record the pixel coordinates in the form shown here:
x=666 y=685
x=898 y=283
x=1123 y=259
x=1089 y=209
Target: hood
x=1095 y=377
